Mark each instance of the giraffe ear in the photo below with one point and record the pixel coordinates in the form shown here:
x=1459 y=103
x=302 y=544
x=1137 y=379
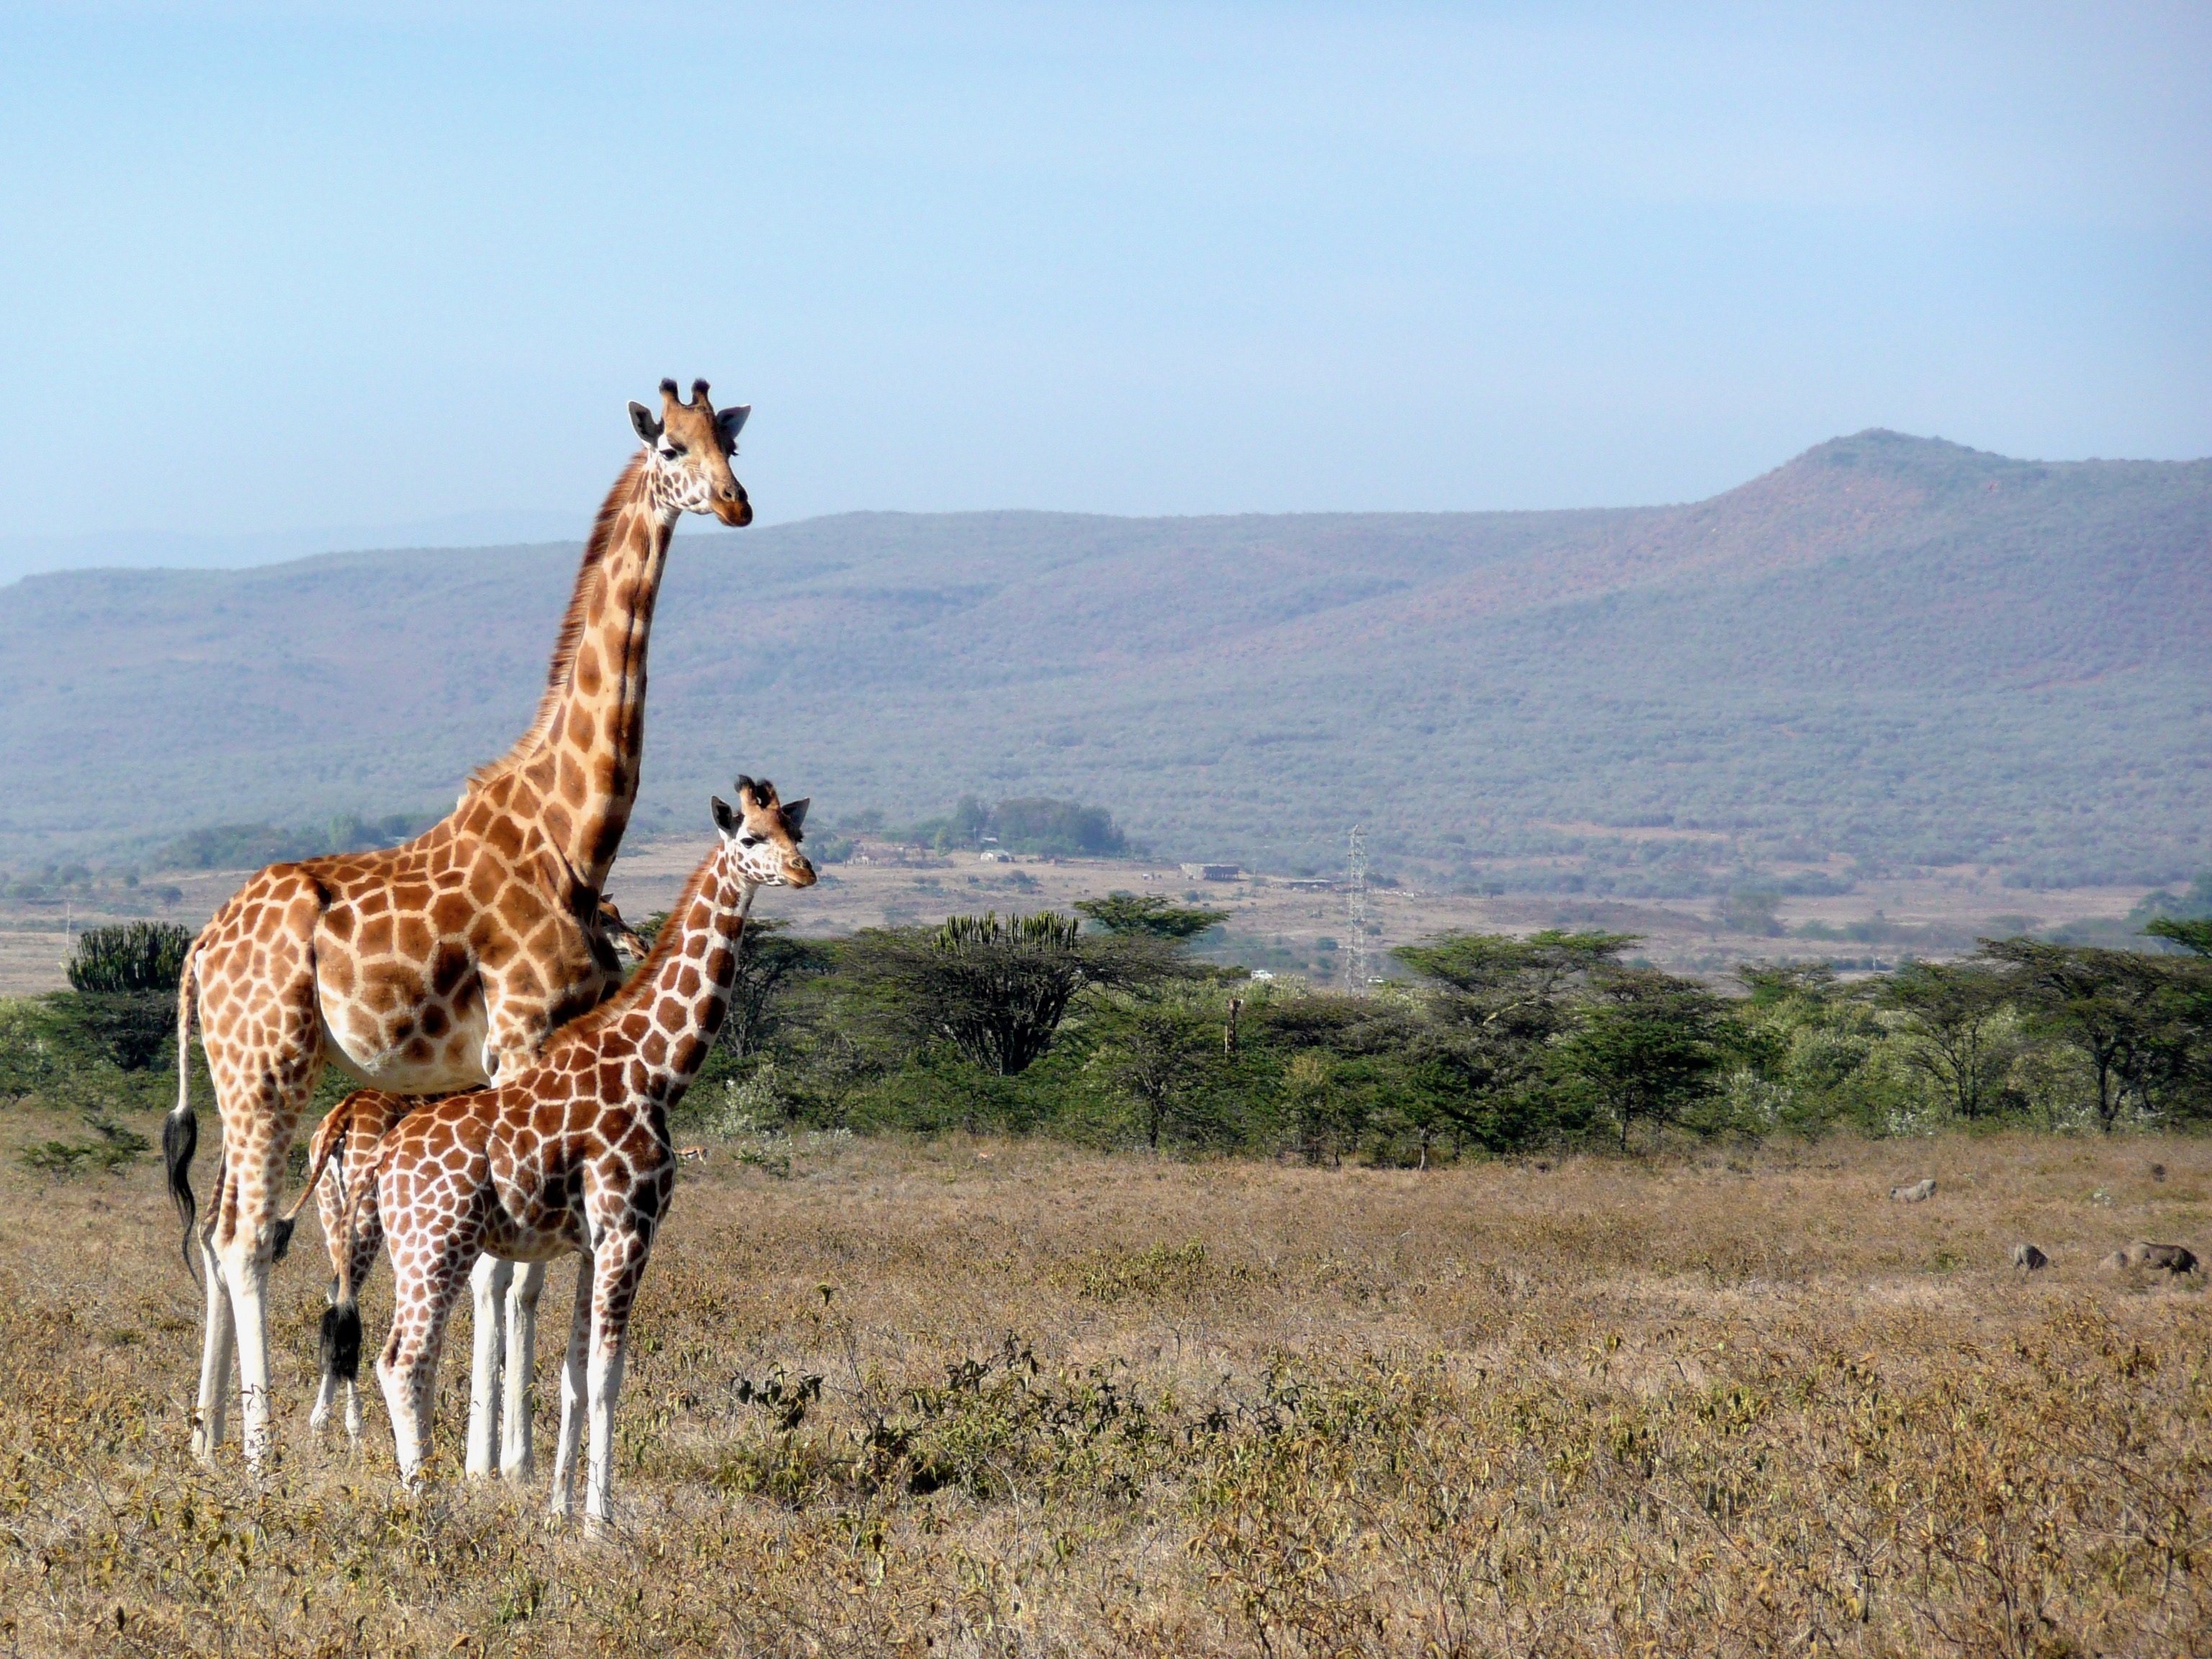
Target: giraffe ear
x=794 y=813
x=730 y=423
x=725 y=820
x=647 y=422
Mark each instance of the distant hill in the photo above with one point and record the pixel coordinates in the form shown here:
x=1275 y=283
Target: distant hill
x=1891 y=649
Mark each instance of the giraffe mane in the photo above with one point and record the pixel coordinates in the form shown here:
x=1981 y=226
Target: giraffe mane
x=572 y=631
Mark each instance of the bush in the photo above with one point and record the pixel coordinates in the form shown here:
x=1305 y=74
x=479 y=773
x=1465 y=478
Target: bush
x=139 y=956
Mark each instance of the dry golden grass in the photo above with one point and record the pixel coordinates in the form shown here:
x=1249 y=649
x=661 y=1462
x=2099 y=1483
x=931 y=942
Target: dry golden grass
x=1081 y=1404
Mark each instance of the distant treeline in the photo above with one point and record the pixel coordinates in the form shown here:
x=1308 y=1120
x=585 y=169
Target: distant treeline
x=249 y=846
x=1100 y=1027
x=1108 y=1032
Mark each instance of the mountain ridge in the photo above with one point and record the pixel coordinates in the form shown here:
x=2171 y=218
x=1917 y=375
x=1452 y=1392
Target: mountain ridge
x=1974 y=657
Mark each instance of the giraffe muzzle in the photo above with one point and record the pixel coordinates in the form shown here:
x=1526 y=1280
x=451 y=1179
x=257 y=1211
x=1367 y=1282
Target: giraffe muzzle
x=734 y=508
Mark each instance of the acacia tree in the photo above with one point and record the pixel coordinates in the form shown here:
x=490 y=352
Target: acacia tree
x=1644 y=1046
x=1161 y=1052
x=1955 y=1030
x=2138 y=1020
x=1149 y=914
x=769 y=957
x=1495 y=1007
x=998 y=990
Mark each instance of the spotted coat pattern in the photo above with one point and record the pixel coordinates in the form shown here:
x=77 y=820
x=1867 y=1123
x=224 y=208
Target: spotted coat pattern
x=572 y=1153
x=438 y=964
x=345 y=1140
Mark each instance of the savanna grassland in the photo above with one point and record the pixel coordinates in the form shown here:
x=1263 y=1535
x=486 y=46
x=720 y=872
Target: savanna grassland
x=1070 y=1402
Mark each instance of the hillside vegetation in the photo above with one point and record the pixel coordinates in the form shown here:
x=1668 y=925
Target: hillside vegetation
x=1891 y=651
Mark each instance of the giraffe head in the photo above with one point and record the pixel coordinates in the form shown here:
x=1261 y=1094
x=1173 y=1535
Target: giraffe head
x=763 y=836
x=626 y=939
x=688 y=446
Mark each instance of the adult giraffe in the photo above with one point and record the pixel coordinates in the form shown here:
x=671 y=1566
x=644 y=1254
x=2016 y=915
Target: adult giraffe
x=433 y=966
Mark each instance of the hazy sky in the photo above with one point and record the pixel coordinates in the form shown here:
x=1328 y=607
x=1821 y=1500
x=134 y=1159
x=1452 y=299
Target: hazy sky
x=275 y=267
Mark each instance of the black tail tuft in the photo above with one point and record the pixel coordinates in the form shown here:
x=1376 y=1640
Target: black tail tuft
x=280 y=1238
x=341 y=1346
x=180 y=1138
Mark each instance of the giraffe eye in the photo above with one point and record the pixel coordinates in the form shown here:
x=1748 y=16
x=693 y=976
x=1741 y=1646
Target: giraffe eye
x=671 y=449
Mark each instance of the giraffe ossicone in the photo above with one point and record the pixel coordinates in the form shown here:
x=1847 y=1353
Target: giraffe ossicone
x=430 y=967
x=569 y=1155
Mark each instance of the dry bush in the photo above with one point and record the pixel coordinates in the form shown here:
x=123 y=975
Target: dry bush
x=913 y=1399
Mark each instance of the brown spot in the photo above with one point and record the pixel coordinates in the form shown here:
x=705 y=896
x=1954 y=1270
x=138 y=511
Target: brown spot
x=450 y=913
x=376 y=937
x=687 y=983
x=435 y=1021
x=414 y=938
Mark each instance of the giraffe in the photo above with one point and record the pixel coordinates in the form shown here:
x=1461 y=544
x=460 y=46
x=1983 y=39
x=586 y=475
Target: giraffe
x=506 y=1305
x=570 y=1154
x=433 y=966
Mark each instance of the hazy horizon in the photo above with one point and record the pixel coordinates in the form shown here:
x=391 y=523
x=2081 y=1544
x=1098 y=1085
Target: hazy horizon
x=285 y=272
x=159 y=551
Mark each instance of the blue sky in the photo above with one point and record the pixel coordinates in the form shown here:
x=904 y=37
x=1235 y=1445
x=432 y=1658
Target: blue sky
x=277 y=275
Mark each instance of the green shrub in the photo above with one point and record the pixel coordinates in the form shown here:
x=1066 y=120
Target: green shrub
x=138 y=956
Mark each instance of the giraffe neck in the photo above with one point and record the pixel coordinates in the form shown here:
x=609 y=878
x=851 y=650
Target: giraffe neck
x=683 y=984
x=575 y=771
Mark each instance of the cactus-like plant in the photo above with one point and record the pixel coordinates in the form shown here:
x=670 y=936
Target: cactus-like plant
x=139 y=956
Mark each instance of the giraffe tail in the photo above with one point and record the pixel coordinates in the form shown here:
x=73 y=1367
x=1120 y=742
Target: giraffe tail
x=181 y=1130
x=328 y=1139
x=341 y=1343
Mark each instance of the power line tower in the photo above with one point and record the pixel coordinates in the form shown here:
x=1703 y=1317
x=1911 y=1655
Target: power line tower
x=1355 y=906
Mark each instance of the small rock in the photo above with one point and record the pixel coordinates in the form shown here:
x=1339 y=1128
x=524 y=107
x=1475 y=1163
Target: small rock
x=2026 y=1256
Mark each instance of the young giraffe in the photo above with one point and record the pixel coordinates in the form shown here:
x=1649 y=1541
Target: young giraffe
x=571 y=1154
x=506 y=1304
x=433 y=966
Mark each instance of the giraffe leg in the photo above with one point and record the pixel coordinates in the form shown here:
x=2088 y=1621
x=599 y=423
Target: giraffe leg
x=246 y=1272
x=487 y=1283
x=215 y=1354
x=395 y=1374
x=407 y=1369
x=427 y=1276
x=517 y=1461
x=367 y=1240
x=572 y=1394
x=616 y=1279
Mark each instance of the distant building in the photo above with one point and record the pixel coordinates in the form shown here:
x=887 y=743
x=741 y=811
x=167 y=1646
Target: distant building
x=1305 y=884
x=1212 y=871
x=994 y=855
